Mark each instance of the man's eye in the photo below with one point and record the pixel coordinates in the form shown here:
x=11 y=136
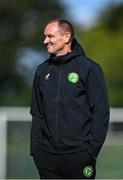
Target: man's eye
x=50 y=36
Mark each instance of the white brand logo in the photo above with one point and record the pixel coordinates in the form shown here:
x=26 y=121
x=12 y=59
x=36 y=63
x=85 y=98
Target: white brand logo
x=47 y=76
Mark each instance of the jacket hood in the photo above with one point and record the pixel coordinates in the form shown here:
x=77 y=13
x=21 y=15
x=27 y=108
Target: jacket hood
x=77 y=50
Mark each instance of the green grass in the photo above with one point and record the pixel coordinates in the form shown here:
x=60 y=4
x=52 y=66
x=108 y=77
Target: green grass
x=110 y=162
x=21 y=166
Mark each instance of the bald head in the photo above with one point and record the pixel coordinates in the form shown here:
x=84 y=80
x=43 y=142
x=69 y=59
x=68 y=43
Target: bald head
x=64 y=26
x=58 y=37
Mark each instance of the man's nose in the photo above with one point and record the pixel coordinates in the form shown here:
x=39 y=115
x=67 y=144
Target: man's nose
x=46 y=40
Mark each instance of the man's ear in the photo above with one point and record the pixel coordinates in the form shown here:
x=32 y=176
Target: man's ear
x=67 y=37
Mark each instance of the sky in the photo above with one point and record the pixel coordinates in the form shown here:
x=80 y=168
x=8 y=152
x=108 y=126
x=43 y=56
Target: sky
x=86 y=12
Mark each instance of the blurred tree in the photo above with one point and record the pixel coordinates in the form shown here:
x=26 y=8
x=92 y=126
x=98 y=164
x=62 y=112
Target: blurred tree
x=112 y=17
x=21 y=26
x=105 y=45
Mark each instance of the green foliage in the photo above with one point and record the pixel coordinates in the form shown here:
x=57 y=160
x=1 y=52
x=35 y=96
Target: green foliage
x=112 y=17
x=21 y=26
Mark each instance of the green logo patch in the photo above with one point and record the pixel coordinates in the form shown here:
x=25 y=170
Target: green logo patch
x=73 y=77
x=88 y=171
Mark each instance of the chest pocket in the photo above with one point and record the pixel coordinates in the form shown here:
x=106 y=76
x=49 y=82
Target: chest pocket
x=72 y=92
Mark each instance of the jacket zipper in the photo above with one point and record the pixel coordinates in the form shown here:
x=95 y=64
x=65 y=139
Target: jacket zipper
x=57 y=100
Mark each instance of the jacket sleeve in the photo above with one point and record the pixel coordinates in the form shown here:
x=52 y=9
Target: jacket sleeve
x=98 y=103
x=37 y=114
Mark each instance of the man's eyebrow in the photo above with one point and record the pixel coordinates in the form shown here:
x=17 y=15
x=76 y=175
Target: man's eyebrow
x=49 y=35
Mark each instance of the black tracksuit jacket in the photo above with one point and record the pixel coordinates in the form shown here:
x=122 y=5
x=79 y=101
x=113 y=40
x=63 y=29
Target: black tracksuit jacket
x=69 y=116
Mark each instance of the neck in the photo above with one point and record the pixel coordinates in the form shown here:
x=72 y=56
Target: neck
x=66 y=50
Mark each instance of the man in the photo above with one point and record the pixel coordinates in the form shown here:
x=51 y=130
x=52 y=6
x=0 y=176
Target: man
x=70 y=111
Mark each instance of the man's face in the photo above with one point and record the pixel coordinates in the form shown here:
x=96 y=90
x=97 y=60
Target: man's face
x=55 y=40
